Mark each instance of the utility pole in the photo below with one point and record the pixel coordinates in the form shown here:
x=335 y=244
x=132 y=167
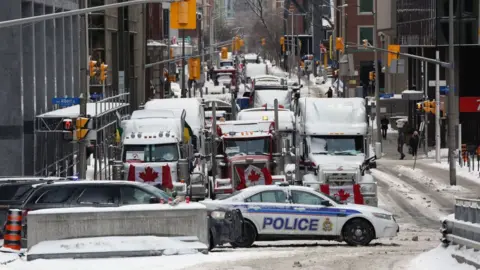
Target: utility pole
x=452 y=113
x=437 y=109
x=84 y=89
x=211 y=33
x=377 y=75
x=184 y=91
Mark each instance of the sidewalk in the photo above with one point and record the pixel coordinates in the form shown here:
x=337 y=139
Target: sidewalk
x=389 y=146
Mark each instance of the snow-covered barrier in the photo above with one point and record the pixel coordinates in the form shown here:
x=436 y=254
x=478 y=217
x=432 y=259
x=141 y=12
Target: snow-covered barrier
x=185 y=220
x=463 y=227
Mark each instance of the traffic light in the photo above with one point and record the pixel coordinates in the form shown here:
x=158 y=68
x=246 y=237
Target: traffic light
x=194 y=68
x=393 y=53
x=81 y=127
x=242 y=43
x=282 y=40
x=224 y=53
x=171 y=53
x=339 y=46
x=237 y=43
x=263 y=42
x=103 y=72
x=371 y=76
x=283 y=47
x=365 y=43
x=419 y=106
x=68 y=129
x=183 y=14
x=426 y=106
x=92 y=68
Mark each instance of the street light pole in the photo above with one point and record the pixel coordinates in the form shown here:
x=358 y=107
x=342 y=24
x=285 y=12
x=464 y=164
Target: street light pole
x=452 y=113
x=84 y=89
x=377 y=75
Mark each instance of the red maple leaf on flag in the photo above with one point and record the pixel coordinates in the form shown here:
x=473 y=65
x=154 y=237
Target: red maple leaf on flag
x=149 y=175
x=253 y=176
x=342 y=195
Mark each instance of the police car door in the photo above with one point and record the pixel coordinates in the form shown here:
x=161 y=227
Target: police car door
x=268 y=211
x=311 y=216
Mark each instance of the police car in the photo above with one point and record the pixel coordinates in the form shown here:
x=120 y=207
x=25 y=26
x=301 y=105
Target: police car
x=283 y=212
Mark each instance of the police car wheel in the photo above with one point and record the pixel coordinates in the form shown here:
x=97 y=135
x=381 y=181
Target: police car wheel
x=248 y=237
x=358 y=232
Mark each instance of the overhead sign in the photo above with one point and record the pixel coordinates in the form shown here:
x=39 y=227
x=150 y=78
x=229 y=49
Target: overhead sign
x=66 y=101
x=469 y=104
x=433 y=83
x=386 y=95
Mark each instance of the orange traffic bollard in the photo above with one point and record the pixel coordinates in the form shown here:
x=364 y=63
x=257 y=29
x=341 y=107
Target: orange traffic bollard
x=13 y=230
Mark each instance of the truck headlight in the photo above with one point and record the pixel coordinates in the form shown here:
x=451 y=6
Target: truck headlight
x=218 y=214
x=368 y=188
x=383 y=216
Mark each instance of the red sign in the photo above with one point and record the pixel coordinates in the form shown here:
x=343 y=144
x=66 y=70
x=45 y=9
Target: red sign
x=469 y=104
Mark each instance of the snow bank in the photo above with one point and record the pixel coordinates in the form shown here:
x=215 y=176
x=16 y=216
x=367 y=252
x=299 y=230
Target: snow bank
x=443 y=153
x=424 y=178
x=138 y=207
x=440 y=258
x=171 y=246
x=472 y=175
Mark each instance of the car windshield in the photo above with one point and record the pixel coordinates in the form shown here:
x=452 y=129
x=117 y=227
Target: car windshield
x=150 y=153
x=226 y=64
x=337 y=145
x=156 y=191
x=250 y=146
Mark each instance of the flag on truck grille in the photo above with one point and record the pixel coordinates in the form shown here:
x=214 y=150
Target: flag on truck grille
x=253 y=175
x=346 y=193
x=151 y=175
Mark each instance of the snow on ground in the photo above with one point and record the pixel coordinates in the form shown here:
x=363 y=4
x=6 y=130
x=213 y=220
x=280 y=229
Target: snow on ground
x=142 y=263
x=465 y=172
x=440 y=258
x=443 y=153
x=172 y=246
x=389 y=130
x=421 y=201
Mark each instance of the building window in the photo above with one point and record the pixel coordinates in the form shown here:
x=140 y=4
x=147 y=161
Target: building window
x=366 y=7
x=365 y=32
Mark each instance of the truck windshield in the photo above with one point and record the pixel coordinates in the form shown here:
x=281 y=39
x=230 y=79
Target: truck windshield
x=226 y=64
x=337 y=145
x=150 y=153
x=250 y=146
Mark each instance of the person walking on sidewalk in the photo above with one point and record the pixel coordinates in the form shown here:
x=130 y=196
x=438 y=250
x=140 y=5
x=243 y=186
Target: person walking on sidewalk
x=414 y=143
x=401 y=142
x=384 y=122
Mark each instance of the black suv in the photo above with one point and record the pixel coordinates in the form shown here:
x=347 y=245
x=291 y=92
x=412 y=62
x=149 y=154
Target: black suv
x=64 y=194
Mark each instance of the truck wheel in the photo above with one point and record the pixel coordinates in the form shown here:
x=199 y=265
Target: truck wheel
x=248 y=237
x=358 y=232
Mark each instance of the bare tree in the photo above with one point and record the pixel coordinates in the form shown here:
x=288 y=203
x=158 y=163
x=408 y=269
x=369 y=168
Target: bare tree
x=258 y=7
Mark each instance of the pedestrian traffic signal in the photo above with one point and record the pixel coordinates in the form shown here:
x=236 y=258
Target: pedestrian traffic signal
x=339 y=46
x=82 y=127
x=419 y=106
x=371 y=76
x=92 y=68
x=103 y=72
x=224 y=53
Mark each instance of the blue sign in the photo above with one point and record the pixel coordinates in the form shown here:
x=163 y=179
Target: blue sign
x=445 y=89
x=96 y=96
x=66 y=102
x=301 y=224
x=386 y=95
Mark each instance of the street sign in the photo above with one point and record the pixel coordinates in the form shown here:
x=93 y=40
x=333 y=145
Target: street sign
x=386 y=95
x=441 y=83
x=96 y=96
x=445 y=89
x=66 y=101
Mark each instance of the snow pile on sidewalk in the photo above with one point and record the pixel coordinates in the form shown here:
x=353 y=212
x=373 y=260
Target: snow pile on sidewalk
x=440 y=258
x=443 y=153
x=465 y=172
x=425 y=178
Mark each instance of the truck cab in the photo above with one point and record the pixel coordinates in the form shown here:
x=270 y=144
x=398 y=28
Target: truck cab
x=334 y=146
x=245 y=155
x=265 y=89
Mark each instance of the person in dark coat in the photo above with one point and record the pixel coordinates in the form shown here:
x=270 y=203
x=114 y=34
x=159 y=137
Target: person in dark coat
x=330 y=92
x=414 y=143
x=401 y=142
x=384 y=122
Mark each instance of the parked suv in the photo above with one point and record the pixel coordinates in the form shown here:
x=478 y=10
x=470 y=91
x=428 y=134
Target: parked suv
x=65 y=194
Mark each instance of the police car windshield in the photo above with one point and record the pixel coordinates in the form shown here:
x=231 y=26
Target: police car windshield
x=150 y=153
x=247 y=146
x=337 y=145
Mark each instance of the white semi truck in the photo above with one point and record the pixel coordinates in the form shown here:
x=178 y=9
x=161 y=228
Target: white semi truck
x=334 y=147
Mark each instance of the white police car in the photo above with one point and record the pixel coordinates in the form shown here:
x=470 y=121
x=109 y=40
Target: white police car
x=283 y=212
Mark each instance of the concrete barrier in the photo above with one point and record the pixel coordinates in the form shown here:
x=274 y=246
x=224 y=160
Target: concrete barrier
x=134 y=220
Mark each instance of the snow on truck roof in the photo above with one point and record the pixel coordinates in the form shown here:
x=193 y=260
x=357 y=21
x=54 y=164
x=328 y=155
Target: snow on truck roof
x=93 y=109
x=192 y=106
x=286 y=118
x=148 y=114
x=324 y=116
x=245 y=126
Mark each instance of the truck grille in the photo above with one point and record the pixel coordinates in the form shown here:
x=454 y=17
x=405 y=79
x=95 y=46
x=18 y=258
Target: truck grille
x=340 y=178
x=251 y=179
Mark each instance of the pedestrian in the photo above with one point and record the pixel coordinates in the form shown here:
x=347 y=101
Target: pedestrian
x=330 y=92
x=401 y=142
x=414 y=143
x=384 y=122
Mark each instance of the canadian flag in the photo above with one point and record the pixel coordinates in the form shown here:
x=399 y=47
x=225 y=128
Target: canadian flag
x=155 y=175
x=349 y=193
x=254 y=176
